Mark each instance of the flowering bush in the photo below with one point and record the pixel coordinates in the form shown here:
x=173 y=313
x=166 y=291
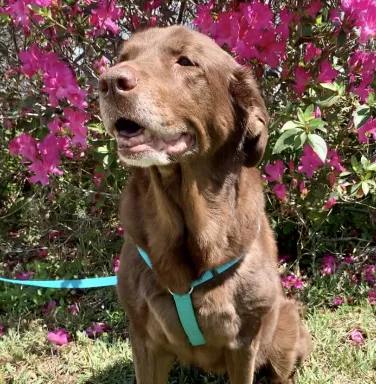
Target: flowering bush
x=315 y=64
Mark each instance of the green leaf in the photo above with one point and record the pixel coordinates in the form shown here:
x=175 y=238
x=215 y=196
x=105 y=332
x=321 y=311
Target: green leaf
x=361 y=115
x=355 y=188
x=322 y=129
x=319 y=146
x=354 y=163
x=345 y=173
x=102 y=149
x=371 y=99
x=372 y=167
x=301 y=116
x=286 y=140
x=326 y=103
x=308 y=113
x=307 y=30
x=341 y=39
x=315 y=123
x=275 y=123
x=288 y=108
x=365 y=162
x=299 y=140
x=367 y=176
x=290 y=124
x=365 y=188
x=332 y=87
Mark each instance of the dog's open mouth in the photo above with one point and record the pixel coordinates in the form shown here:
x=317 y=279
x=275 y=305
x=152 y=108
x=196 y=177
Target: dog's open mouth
x=133 y=138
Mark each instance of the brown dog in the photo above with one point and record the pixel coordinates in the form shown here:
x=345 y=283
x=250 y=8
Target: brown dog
x=194 y=126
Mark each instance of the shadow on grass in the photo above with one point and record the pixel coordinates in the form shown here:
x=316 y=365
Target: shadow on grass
x=124 y=374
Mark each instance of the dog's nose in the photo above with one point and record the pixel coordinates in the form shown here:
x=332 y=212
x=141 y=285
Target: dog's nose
x=118 y=80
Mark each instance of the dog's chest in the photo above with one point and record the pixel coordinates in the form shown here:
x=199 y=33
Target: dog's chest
x=217 y=317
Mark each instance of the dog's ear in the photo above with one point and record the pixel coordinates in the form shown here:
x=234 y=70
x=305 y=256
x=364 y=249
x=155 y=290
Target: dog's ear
x=250 y=115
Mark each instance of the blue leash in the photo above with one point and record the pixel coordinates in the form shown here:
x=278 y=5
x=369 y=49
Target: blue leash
x=78 y=283
x=183 y=303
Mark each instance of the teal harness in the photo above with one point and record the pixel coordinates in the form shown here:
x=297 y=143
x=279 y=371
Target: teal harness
x=184 y=304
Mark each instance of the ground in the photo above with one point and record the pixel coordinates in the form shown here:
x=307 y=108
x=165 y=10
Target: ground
x=27 y=357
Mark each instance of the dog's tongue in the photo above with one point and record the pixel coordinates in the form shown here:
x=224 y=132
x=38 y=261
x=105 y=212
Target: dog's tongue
x=146 y=142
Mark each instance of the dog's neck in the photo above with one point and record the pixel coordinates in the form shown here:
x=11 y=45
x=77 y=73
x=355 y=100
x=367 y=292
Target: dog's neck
x=193 y=218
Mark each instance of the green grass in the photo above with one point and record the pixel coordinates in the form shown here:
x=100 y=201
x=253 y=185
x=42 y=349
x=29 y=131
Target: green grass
x=26 y=356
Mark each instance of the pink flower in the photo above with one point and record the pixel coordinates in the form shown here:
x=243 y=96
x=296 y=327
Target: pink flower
x=334 y=160
x=43 y=253
x=24 y=145
x=97 y=329
x=20 y=12
x=310 y=162
x=204 y=19
x=54 y=235
x=317 y=112
x=302 y=78
x=284 y=258
x=60 y=82
x=294 y=183
x=357 y=337
x=302 y=188
x=101 y=65
x=313 y=9
x=97 y=178
x=332 y=179
x=327 y=73
x=372 y=297
x=286 y=19
x=329 y=264
x=31 y=60
x=55 y=125
x=135 y=22
x=367 y=130
x=370 y=274
x=104 y=17
x=226 y=29
x=367 y=23
x=2 y=329
x=280 y=191
x=329 y=204
x=338 y=301
x=116 y=263
x=120 y=230
x=152 y=4
x=49 y=307
x=59 y=337
x=349 y=259
x=24 y=276
x=311 y=52
x=73 y=309
x=76 y=120
x=292 y=281
x=291 y=166
x=275 y=171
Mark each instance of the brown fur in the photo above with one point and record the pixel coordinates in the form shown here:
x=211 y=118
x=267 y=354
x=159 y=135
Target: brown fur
x=199 y=212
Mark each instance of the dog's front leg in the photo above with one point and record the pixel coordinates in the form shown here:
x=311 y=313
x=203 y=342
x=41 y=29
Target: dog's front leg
x=241 y=363
x=152 y=363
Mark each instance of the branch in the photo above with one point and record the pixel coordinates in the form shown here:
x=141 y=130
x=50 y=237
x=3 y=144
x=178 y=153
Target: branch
x=181 y=11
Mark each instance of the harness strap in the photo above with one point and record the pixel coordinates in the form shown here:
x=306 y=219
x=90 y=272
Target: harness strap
x=184 y=305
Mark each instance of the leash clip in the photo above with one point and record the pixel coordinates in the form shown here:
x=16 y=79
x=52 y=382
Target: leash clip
x=190 y=291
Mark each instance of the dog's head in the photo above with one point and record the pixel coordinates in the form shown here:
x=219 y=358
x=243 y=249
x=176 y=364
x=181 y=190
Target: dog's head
x=174 y=95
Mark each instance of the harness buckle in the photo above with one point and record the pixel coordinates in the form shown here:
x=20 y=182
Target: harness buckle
x=190 y=291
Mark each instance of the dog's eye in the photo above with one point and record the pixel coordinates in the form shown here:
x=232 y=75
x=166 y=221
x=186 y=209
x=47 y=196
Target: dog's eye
x=185 y=62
